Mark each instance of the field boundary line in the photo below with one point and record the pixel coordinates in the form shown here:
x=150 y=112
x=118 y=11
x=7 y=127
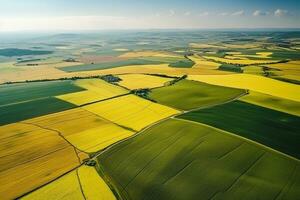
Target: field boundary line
x=41 y=186
x=90 y=103
x=59 y=134
x=243 y=138
x=80 y=185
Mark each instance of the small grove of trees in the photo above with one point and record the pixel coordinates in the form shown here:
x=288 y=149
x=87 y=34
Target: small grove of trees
x=176 y=80
x=231 y=68
x=144 y=93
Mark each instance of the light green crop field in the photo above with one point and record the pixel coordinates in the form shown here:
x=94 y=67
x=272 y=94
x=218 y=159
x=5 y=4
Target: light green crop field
x=179 y=159
x=186 y=94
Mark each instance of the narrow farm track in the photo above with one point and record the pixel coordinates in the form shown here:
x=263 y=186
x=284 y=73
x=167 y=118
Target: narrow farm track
x=59 y=133
x=80 y=185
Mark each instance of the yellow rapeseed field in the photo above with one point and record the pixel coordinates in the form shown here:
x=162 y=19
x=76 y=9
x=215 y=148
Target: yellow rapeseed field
x=131 y=111
x=137 y=81
x=85 y=130
x=254 y=83
x=93 y=185
x=240 y=61
x=258 y=55
x=96 y=90
x=204 y=64
x=64 y=188
x=30 y=157
x=289 y=69
x=95 y=139
x=272 y=102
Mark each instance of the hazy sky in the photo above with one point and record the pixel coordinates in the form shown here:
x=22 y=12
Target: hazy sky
x=52 y=15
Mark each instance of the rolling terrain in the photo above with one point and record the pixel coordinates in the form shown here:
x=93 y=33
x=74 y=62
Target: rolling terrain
x=151 y=115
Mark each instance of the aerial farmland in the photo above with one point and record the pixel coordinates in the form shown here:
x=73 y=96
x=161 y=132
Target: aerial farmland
x=153 y=113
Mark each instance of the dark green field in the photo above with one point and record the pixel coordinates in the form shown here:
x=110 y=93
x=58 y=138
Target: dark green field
x=186 y=94
x=272 y=128
x=10 y=52
x=26 y=100
x=184 y=160
x=30 y=91
x=22 y=111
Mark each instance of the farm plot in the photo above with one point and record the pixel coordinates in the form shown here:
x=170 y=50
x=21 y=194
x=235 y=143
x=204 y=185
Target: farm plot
x=26 y=100
x=178 y=159
x=131 y=111
x=83 y=129
x=96 y=90
x=186 y=94
x=252 y=82
x=138 y=81
x=30 y=157
x=275 y=129
x=64 y=188
x=239 y=61
x=82 y=183
x=93 y=185
x=275 y=103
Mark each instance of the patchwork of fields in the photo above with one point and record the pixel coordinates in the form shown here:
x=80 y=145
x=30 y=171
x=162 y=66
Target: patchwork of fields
x=32 y=156
x=151 y=115
x=254 y=83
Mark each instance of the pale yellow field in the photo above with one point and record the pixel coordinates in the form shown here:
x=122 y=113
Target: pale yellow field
x=275 y=103
x=83 y=129
x=137 y=54
x=64 y=188
x=255 y=83
x=30 y=157
x=137 y=81
x=202 y=46
x=93 y=185
x=241 y=61
x=67 y=187
x=37 y=73
x=120 y=49
x=131 y=111
x=96 y=90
